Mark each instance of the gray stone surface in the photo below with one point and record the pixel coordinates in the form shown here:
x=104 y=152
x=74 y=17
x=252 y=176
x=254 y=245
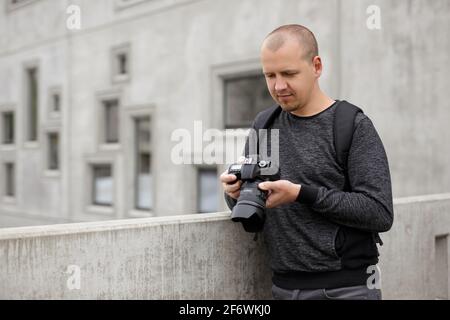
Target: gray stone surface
x=180 y=257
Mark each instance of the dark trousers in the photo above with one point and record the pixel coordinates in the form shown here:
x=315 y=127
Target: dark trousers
x=346 y=293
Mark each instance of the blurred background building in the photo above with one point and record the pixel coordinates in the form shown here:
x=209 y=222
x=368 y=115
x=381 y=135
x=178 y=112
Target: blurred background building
x=87 y=114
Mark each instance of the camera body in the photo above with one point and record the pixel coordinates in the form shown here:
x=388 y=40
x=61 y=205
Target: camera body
x=251 y=205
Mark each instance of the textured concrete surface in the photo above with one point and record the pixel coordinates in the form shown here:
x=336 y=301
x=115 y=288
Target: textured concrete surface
x=202 y=257
x=180 y=257
x=410 y=266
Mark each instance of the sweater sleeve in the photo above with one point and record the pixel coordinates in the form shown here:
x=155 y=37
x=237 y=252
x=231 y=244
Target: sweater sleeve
x=369 y=205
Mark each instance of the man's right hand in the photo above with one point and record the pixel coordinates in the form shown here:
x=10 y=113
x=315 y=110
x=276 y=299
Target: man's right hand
x=231 y=185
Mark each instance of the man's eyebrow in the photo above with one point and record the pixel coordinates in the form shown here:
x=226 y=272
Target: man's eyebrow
x=283 y=71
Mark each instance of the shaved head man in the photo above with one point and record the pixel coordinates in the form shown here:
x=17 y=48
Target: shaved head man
x=323 y=215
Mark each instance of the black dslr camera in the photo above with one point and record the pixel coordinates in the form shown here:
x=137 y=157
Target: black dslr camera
x=251 y=204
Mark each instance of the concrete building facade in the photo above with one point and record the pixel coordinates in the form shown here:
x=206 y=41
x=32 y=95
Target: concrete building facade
x=88 y=114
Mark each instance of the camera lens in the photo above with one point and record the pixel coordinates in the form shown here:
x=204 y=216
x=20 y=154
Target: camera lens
x=250 y=207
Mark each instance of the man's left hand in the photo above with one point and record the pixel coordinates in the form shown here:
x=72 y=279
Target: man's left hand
x=280 y=192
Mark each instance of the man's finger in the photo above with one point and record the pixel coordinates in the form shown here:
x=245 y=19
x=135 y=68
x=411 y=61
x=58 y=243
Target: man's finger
x=235 y=194
x=232 y=187
x=268 y=185
x=227 y=178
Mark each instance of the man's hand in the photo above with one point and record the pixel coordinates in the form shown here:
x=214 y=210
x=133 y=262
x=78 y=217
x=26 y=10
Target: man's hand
x=231 y=185
x=280 y=192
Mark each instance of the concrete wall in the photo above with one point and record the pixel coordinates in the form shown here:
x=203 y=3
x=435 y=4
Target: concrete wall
x=181 y=257
x=414 y=260
x=203 y=257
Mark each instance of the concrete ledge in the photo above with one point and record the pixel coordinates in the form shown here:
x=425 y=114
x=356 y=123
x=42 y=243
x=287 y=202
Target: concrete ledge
x=180 y=257
x=109 y=225
x=422 y=198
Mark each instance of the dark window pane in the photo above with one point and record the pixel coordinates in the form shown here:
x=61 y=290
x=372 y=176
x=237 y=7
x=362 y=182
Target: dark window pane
x=143 y=176
x=122 y=63
x=10 y=180
x=207 y=191
x=102 y=185
x=244 y=97
x=32 y=92
x=8 y=127
x=56 y=102
x=111 y=121
x=53 y=151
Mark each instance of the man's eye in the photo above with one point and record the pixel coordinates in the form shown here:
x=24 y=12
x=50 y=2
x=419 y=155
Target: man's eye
x=269 y=75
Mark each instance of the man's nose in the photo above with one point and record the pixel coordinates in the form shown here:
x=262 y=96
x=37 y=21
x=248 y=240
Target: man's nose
x=280 y=84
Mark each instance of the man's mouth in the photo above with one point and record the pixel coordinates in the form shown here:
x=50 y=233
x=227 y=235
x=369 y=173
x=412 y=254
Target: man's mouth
x=283 y=96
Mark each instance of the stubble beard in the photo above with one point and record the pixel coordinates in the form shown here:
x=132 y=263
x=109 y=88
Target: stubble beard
x=289 y=107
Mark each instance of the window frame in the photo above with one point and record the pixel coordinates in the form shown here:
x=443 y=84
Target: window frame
x=198 y=169
x=223 y=71
x=49 y=173
x=91 y=208
x=133 y=112
x=101 y=97
x=27 y=143
x=8 y=109
x=116 y=76
x=52 y=114
x=237 y=77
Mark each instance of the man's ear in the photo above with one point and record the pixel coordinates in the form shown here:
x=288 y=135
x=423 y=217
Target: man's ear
x=317 y=65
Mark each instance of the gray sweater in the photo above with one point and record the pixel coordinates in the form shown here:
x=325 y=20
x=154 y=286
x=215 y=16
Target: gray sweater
x=302 y=236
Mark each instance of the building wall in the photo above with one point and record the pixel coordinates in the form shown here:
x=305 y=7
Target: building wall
x=179 y=50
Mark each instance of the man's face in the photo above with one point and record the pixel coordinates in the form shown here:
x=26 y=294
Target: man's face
x=289 y=77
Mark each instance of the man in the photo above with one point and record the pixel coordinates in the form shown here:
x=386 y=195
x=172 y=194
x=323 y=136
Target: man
x=320 y=237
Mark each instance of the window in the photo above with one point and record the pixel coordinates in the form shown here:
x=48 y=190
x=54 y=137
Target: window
x=102 y=185
x=441 y=266
x=244 y=97
x=207 y=190
x=55 y=102
x=53 y=151
x=32 y=103
x=8 y=127
x=10 y=187
x=121 y=63
x=111 y=118
x=143 y=176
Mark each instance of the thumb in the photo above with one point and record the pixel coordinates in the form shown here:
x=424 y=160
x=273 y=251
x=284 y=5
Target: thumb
x=267 y=185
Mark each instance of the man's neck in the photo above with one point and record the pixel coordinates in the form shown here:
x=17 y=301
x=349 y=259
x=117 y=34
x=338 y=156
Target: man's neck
x=314 y=106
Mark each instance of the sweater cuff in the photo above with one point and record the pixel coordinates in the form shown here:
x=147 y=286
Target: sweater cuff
x=230 y=201
x=307 y=194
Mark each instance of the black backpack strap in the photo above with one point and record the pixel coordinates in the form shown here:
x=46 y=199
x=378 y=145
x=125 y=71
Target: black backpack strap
x=262 y=121
x=266 y=117
x=344 y=126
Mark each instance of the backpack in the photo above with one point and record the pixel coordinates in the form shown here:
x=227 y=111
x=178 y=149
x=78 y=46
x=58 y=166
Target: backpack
x=343 y=128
